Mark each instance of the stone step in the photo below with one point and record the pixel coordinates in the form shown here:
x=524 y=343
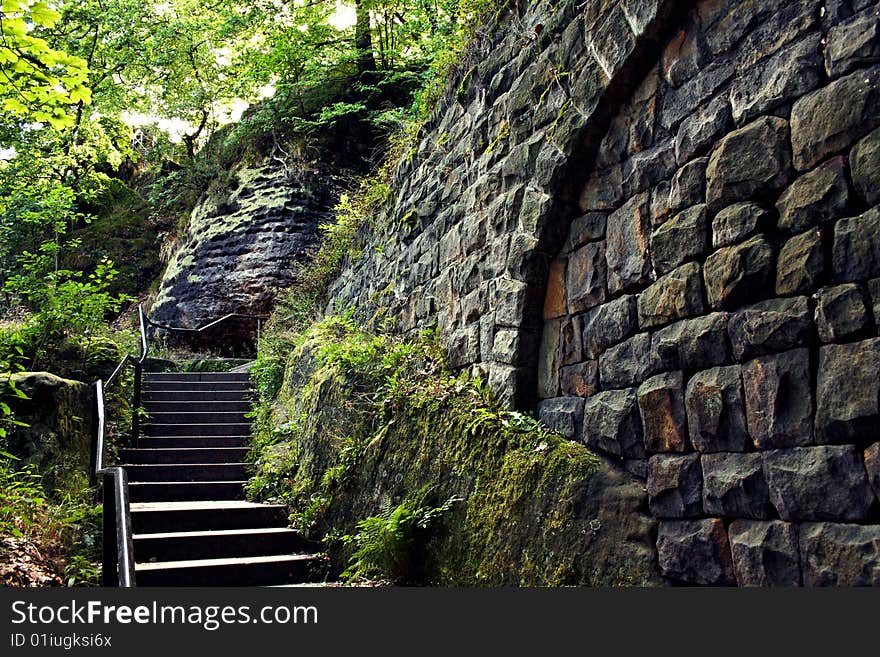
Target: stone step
x=179 y=545
x=186 y=472
x=154 y=406
x=158 y=418
x=182 y=455
x=242 y=571
x=156 y=517
x=214 y=429
x=185 y=491
x=188 y=395
x=204 y=386
x=195 y=376
x=191 y=442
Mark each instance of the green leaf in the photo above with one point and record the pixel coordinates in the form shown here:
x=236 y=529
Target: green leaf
x=43 y=15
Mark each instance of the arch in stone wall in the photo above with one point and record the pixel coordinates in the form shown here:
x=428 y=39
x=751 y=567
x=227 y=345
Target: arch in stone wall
x=711 y=312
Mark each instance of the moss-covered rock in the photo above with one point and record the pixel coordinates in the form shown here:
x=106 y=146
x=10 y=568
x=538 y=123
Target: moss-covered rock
x=363 y=424
x=57 y=439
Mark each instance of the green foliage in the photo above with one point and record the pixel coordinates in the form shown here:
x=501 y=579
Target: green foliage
x=385 y=543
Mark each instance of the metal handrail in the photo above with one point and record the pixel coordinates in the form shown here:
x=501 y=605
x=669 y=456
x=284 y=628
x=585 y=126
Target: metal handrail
x=185 y=329
x=118 y=544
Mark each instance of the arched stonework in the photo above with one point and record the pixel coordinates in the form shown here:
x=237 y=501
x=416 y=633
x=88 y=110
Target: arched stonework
x=711 y=320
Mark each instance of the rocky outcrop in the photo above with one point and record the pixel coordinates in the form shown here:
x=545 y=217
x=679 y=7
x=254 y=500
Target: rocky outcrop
x=242 y=242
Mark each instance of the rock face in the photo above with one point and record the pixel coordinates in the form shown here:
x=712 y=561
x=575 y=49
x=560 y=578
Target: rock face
x=58 y=437
x=241 y=245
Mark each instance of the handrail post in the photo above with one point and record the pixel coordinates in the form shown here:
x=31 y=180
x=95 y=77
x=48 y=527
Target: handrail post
x=136 y=405
x=110 y=573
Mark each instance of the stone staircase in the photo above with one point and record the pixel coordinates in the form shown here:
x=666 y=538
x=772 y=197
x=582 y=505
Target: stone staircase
x=191 y=523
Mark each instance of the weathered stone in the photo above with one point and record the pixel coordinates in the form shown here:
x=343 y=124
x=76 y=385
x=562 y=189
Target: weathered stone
x=736 y=222
x=874 y=291
x=853 y=43
x=788 y=74
x=554 y=303
x=692 y=343
x=734 y=486
x=864 y=164
x=682 y=238
x=872 y=465
x=749 y=163
x=636 y=467
x=609 y=324
x=841 y=313
x=675 y=486
x=702 y=129
x=834 y=554
x=779 y=399
x=688 y=186
x=628 y=236
x=581 y=379
x=646 y=168
x=603 y=190
x=815 y=197
x=765 y=553
x=679 y=103
x=848 y=392
x=612 y=424
x=677 y=295
x=585 y=277
x=856 y=254
x=586 y=228
x=548 y=360
x=769 y=326
x=564 y=414
x=683 y=56
x=660 y=210
x=506 y=347
x=695 y=552
x=737 y=274
x=627 y=364
x=818 y=483
x=801 y=263
x=830 y=119
x=716 y=412
x=664 y=421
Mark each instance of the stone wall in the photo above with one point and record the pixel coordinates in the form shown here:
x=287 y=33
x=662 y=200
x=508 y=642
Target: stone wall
x=712 y=319
x=661 y=220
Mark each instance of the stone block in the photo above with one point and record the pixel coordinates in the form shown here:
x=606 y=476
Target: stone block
x=699 y=131
x=586 y=228
x=677 y=295
x=818 y=483
x=769 y=326
x=679 y=103
x=848 y=392
x=749 y=163
x=779 y=399
x=815 y=197
x=841 y=313
x=716 y=411
x=736 y=222
x=628 y=245
x=612 y=424
x=853 y=43
x=609 y=324
x=692 y=344
x=872 y=466
x=627 y=364
x=864 y=164
x=564 y=414
x=801 y=263
x=682 y=238
x=695 y=552
x=830 y=119
x=736 y=275
x=548 y=360
x=675 y=486
x=834 y=554
x=585 y=277
x=554 y=303
x=580 y=379
x=765 y=553
x=570 y=350
x=856 y=253
x=664 y=421
x=734 y=486
x=778 y=80
x=506 y=347
x=688 y=186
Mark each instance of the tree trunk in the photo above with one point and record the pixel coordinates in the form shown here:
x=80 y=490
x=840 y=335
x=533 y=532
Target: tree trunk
x=363 y=41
